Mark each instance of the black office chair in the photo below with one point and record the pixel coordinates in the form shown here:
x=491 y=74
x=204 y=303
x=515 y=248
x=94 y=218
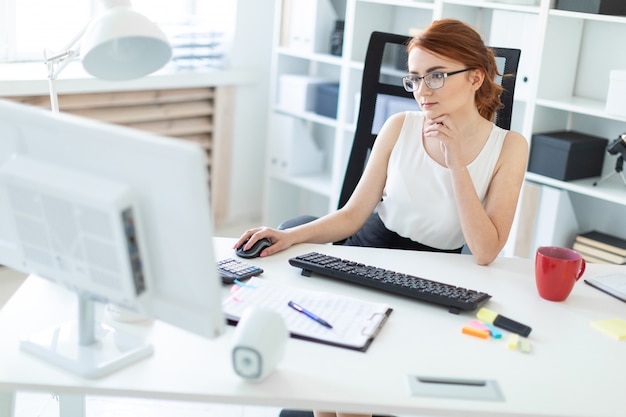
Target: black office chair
x=379 y=90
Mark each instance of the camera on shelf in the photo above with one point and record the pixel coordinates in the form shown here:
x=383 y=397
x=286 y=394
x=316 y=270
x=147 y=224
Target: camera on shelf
x=617 y=147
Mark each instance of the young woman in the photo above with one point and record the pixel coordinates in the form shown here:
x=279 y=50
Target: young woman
x=439 y=178
x=436 y=179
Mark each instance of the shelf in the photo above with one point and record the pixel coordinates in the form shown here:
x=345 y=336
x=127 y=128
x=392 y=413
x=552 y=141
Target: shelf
x=613 y=189
x=402 y=3
x=317 y=183
x=580 y=105
x=317 y=57
x=393 y=71
x=587 y=16
x=357 y=65
x=495 y=5
x=310 y=116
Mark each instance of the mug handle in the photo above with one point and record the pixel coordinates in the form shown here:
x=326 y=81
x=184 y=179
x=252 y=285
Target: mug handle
x=583 y=265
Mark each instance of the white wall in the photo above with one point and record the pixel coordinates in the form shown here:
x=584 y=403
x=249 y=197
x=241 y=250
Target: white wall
x=251 y=49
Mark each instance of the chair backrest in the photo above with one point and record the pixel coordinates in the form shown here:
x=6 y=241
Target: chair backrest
x=382 y=94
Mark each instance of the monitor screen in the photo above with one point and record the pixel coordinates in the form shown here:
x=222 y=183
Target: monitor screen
x=115 y=214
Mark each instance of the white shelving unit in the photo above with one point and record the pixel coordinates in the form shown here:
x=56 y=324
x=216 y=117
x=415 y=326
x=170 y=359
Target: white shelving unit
x=573 y=86
x=562 y=84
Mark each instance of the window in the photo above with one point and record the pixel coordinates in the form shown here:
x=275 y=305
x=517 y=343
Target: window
x=27 y=27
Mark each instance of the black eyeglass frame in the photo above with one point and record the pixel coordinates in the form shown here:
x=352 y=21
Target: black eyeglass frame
x=426 y=78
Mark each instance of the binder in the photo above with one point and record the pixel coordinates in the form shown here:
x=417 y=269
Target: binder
x=355 y=323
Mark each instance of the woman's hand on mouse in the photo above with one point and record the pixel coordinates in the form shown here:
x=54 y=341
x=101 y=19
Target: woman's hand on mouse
x=279 y=238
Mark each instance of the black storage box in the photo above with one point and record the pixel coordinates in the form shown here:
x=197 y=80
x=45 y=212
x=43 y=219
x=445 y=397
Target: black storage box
x=612 y=7
x=567 y=155
x=326 y=96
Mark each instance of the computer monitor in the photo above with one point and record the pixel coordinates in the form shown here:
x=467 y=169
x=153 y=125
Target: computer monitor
x=118 y=216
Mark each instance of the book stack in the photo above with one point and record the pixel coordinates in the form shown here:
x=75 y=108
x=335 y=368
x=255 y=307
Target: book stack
x=599 y=247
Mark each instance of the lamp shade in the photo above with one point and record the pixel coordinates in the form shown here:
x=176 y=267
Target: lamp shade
x=121 y=44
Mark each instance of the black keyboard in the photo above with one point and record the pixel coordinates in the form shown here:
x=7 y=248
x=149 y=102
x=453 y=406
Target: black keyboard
x=455 y=298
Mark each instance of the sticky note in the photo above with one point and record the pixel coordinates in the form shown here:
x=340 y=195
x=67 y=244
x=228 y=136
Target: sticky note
x=614 y=327
x=513 y=341
x=472 y=331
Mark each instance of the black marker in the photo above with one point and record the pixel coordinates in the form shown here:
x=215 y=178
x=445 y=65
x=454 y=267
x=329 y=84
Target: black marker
x=491 y=317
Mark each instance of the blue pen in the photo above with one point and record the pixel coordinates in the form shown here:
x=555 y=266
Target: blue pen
x=307 y=313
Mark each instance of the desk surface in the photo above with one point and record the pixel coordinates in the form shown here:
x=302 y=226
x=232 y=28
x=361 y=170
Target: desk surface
x=573 y=370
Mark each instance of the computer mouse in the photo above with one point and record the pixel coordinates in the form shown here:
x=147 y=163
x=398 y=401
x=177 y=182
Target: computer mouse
x=255 y=250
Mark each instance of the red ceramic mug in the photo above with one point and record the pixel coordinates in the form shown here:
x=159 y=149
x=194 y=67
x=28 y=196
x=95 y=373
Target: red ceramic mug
x=556 y=271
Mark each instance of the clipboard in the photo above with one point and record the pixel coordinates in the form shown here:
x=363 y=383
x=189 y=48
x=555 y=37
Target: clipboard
x=355 y=323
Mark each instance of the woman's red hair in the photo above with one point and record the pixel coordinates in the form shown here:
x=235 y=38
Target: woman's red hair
x=457 y=41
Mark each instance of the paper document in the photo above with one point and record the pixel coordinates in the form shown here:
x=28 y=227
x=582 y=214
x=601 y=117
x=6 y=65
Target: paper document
x=613 y=284
x=354 y=322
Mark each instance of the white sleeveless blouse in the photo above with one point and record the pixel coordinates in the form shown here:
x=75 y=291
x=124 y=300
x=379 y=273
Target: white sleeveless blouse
x=418 y=200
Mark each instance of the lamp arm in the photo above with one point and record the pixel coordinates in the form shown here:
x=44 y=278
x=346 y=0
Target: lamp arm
x=67 y=54
x=57 y=62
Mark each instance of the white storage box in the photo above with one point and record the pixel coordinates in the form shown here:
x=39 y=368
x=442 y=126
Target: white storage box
x=616 y=98
x=298 y=93
x=293 y=149
x=307 y=25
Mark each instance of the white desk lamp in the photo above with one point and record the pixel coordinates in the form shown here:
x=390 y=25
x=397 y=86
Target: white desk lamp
x=119 y=44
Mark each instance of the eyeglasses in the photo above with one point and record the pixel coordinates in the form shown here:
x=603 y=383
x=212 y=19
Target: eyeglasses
x=433 y=80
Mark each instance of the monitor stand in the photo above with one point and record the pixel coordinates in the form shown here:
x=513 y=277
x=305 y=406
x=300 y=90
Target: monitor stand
x=85 y=349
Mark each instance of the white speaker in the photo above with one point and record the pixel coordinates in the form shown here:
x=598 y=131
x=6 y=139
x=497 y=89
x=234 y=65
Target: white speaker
x=258 y=343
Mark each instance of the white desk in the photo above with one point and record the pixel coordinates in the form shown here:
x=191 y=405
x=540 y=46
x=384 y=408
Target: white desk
x=573 y=370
